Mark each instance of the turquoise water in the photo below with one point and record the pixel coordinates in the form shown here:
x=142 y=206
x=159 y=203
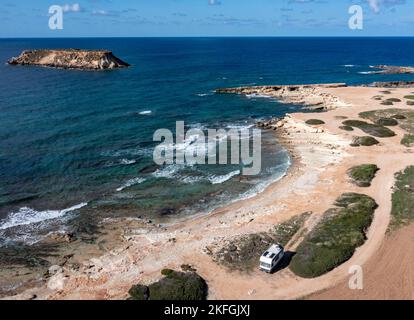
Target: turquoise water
x=78 y=145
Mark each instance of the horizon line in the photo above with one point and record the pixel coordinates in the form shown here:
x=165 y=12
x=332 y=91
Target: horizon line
x=225 y=36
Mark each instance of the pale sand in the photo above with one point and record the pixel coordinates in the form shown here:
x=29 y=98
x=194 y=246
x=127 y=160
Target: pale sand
x=316 y=179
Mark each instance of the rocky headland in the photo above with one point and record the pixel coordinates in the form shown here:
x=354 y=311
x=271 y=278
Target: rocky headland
x=391 y=84
x=312 y=96
x=70 y=59
x=384 y=69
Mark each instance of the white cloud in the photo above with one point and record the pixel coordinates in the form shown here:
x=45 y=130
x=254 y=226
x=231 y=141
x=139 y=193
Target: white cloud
x=374 y=5
x=71 y=7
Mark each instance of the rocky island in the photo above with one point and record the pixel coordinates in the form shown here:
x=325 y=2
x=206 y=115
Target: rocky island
x=384 y=69
x=70 y=59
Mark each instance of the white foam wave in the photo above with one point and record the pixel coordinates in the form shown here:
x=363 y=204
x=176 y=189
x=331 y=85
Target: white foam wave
x=367 y=72
x=128 y=152
x=131 y=183
x=223 y=178
x=146 y=112
x=240 y=126
x=26 y=216
x=168 y=171
x=127 y=162
x=256 y=95
x=348 y=65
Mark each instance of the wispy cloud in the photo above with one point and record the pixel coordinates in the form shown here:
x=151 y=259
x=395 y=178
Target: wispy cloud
x=214 y=2
x=71 y=8
x=376 y=4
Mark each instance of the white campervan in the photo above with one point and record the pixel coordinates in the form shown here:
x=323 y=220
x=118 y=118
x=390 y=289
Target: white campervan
x=271 y=257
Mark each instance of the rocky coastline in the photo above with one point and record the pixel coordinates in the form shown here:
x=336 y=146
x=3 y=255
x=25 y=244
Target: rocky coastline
x=70 y=59
x=312 y=96
x=384 y=69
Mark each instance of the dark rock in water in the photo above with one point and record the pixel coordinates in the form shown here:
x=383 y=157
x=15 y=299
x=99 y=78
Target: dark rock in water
x=70 y=59
x=150 y=169
x=174 y=286
x=167 y=211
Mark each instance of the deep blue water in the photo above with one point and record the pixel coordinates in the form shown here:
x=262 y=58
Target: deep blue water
x=72 y=137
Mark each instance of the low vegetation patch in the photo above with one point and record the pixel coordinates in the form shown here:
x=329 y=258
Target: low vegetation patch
x=174 y=286
x=408 y=140
x=363 y=175
x=341 y=117
x=371 y=129
x=387 y=103
x=385 y=92
x=334 y=240
x=393 y=100
x=243 y=253
x=409 y=97
x=387 y=122
x=314 y=122
x=399 y=117
x=365 y=141
x=410 y=103
x=402 y=212
x=378 y=97
x=346 y=128
x=405 y=117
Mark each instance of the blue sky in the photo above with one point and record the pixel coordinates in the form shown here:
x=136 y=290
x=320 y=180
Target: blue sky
x=120 y=18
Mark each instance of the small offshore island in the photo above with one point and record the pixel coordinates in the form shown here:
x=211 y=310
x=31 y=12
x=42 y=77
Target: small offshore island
x=70 y=59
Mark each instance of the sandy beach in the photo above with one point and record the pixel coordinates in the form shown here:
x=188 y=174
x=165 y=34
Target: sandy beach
x=321 y=157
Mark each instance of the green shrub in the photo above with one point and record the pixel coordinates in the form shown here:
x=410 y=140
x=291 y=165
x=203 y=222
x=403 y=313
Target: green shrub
x=385 y=92
x=378 y=97
x=410 y=103
x=399 y=117
x=387 y=103
x=402 y=212
x=405 y=117
x=167 y=272
x=409 y=97
x=346 y=128
x=363 y=175
x=393 y=100
x=388 y=122
x=371 y=129
x=139 y=292
x=408 y=140
x=335 y=239
x=314 y=122
x=174 y=286
x=365 y=141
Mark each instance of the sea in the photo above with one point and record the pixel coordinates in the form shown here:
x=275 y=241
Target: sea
x=78 y=145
